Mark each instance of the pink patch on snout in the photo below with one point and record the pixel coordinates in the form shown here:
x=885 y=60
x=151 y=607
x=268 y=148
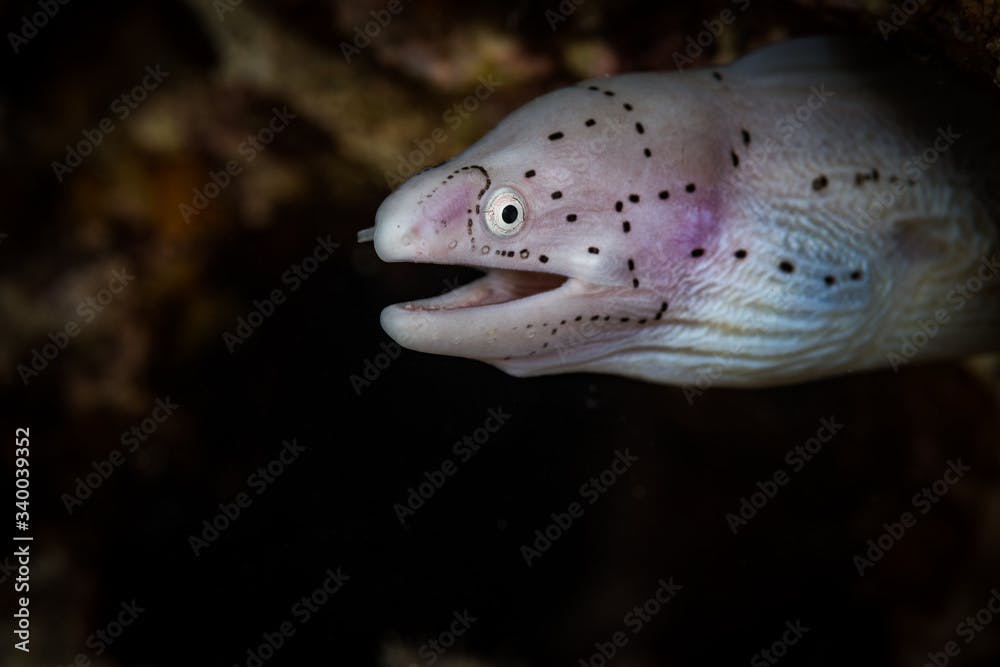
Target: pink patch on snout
x=447 y=208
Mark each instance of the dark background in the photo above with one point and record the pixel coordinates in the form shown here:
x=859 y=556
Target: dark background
x=699 y=452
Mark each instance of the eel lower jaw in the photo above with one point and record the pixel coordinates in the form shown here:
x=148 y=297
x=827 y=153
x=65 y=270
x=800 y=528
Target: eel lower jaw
x=482 y=319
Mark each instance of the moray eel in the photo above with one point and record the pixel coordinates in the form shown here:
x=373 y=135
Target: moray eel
x=806 y=211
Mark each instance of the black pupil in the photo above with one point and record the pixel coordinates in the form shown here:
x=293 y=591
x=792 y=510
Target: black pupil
x=509 y=213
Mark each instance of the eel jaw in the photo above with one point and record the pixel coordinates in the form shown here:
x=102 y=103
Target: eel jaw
x=490 y=318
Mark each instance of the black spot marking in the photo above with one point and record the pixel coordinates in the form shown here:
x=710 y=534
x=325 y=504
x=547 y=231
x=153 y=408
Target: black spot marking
x=717 y=76
x=524 y=253
x=697 y=252
x=618 y=206
x=626 y=226
x=740 y=254
x=829 y=280
x=861 y=177
x=635 y=282
x=856 y=275
x=647 y=152
x=590 y=122
x=609 y=93
x=529 y=173
x=628 y=107
x=689 y=187
x=607 y=317
x=592 y=88
x=554 y=332
x=746 y=137
x=578 y=318
x=664 y=194
x=639 y=128
x=555 y=136
x=562 y=322
x=593 y=251
x=642 y=321
x=735 y=158
x=624 y=319
x=786 y=266
x=634 y=199
x=820 y=182
x=543 y=259
x=557 y=194
x=571 y=217
x=631 y=264
x=595 y=318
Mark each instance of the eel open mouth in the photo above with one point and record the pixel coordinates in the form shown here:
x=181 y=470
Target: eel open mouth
x=498 y=286
x=493 y=317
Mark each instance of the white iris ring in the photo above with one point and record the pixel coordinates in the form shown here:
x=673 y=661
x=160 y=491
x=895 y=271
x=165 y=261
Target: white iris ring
x=506 y=213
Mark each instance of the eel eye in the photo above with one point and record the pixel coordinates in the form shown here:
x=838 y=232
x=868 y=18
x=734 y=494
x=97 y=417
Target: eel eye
x=505 y=212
